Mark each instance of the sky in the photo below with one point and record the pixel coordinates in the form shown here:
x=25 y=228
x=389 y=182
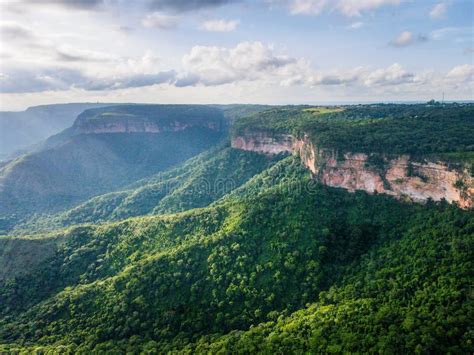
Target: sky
x=235 y=51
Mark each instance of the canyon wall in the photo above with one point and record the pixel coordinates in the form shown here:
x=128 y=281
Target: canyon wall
x=400 y=177
x=137 y=125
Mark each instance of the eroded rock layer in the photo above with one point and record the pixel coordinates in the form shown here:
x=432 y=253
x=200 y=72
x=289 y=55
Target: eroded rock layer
x=399 y=177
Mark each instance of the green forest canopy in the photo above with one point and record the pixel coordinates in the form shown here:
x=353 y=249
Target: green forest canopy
x=420 y=129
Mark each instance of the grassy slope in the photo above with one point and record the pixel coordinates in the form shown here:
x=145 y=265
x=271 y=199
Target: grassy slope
x=380 y=275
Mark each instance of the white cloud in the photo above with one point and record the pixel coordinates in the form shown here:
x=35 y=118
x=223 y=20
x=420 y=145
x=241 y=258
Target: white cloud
x=67 y=53
x=160 y=21
x=403 y=39
x=68 y=4
x=247 y=66
x=355 y=25
x=392 y=75
x=338 y=77
x=461 y=74
x=11 y=31
x=439 y=10
x=348 y=8
x=62 y=79
x=356 y=7
x=407 y=38
x=307 y=7
x=253 y=61
x=459 y=32
x=219 y=25
x=179 y=6
x=246 y=61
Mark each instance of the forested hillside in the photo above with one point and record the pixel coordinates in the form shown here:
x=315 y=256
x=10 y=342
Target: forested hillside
x=195 y=183
x=232 y=251
x=80 y=165
x=422 y=129
x=355 y=263
x=20 y=130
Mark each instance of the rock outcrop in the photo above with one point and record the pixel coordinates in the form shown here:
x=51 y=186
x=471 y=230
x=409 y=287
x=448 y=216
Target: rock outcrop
x=148 y=119
x=399 y=177
x=137 y=125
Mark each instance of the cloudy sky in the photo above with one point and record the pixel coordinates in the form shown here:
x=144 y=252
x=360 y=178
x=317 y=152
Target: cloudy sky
x=234 y=51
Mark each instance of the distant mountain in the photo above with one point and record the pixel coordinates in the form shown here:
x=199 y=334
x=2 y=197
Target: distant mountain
x=105 y=149
x=19 y=130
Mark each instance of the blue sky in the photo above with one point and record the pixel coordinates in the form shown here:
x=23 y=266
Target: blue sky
x=224 y=51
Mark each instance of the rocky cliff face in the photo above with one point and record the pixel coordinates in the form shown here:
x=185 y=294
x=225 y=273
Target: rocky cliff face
x=400 y=177
x=263 y=143
x=137 y=125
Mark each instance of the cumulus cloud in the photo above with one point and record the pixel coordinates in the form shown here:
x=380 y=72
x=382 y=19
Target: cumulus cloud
x=218 y=65
x=71 y=4
x=335 y=77
x=392 y=75
x=27 y=81
x=130 y=81
x=57 y=79
x=219 y=25
x=36 y=47
x=348 y=8
x=11 y=31
x=252 y=61
x=403 y=39
x=307 y=7
x=71 y=54
x=211 y=66
x=160 y=21
x=355 y=8
x=439 y=10
x=461 y=74
x=407 y=38
x=187 y=5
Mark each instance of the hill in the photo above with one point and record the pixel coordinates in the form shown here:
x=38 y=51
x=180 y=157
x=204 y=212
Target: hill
x=417 y=152
x=249 y=248
x=23 y=129
x=80 y=164
x=362 y=272
x=196 y=183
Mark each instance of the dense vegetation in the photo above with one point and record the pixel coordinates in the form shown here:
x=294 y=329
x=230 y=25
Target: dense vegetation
x=165 y=115
x=391 y=129
x=236 y=252
x=195 y=183
x=88 y=165
x=362 y=273
x=23 y=129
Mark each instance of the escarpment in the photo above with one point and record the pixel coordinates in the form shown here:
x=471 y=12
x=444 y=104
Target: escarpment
x=148 y=119
x=121 y=124
x=400 y=177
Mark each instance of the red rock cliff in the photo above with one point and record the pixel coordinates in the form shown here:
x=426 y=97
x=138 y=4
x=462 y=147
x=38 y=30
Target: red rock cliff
x=400 y=177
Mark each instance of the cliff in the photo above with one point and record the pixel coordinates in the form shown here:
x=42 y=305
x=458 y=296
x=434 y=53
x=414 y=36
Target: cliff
x=121 y=124
x=148 y=119
x=399 y=177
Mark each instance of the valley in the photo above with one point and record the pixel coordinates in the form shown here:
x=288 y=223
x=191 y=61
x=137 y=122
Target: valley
x=242 y=229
